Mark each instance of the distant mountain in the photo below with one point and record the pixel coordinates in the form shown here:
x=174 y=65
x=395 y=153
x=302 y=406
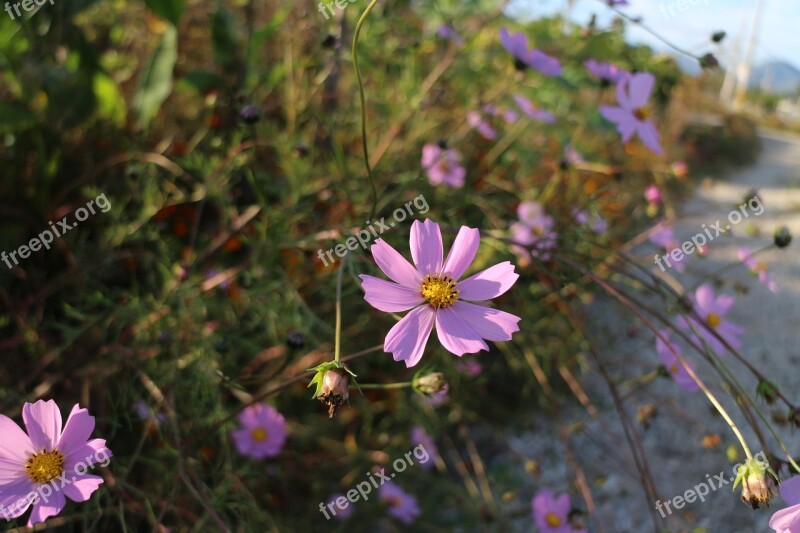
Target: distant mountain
x=777 y=77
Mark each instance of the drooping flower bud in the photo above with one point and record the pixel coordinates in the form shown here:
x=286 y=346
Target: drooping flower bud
x=757 y=481
x=333 y=385
x=428 y=384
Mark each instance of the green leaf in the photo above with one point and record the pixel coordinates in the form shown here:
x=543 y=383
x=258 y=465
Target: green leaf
x=156 y=84
x=110 y=102
x=15 y=118
x=171 y=10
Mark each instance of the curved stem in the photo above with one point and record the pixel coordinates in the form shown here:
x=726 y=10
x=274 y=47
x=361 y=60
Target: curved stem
x=363 y=99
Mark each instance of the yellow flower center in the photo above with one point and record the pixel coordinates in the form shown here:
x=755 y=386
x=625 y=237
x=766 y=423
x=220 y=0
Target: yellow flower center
x=713 y=320
x=674 y=368
x=552 y=519
x=643 y=113
x=439 y=291
x=444 y=166
x=259 y=434
x=45 y=466
x=761 y=266
x=538 y=231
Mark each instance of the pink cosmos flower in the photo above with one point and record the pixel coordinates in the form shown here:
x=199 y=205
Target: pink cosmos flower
x=421 y=437
x=632 y=114
x=606 y=71
x=572 y=156
x=402 y=505
x=484 y=128
x=262 y=432
x=344 y=511
x=532 y=111
x=47 y=456
x=788 y=520
x=435 y=296
x=534 y=231
x=653 y=195
x=664 y=236
x=673 y=365
x=443 y=165
x=451 y=34
x=517 y=45
x=712 y=311
x=470 y=368
x=597 y=223
x=551 y=514
x=758 y=268
x=508 y=115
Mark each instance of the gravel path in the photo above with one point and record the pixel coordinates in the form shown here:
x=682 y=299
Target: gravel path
x=674 y=441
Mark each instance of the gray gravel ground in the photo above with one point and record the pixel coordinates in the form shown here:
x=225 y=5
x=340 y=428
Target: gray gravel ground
x=673 y=443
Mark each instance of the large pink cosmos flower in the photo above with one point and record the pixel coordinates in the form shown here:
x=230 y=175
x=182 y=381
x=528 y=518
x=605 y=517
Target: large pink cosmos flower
x=551 y=514
x=434 y=294
x=517 y=45
x=673 y=365
x=262 y=432
x=712 y=311
x=788 y=520
x=443 y=165
x=32 y=464
x=632 y=114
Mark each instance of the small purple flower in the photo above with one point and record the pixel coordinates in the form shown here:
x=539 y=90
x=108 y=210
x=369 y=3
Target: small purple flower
x=432 y=292
x=788 y=520
x=443 y=165
x=534 y=230
x=606 y=71
x=532 y=111
x=262 y=432
x=484 y=128
x=572 y=156
x=712 y=311
x=48 y=452
x=470 y=368
x=758 y=268
x=402 y=505
x=250 y=114
x=419 y=437
x=673 y=365
x=551 y=514
x=517 y=45
x=343 y=511
x=450 y=34
x=597 y=223
x=632 y=115
x=147 y=414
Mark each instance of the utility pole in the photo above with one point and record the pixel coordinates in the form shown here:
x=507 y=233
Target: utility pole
x=743 y=72
x=729 y=83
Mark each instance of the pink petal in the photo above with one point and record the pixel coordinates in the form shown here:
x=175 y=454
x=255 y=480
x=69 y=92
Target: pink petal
x=92 y=453
x=462 y=253
x=489 y=283
x=430 y=155
x=790 y=490
x=426 y=246
x=388 y=296
x=615 y=114
x=43 y=421
x=641 y=85
x=43 y=510
x=455 y=333
x=650 y=137
x=395 y=265
x=622 y=95
x=490 y=324
x=406 y=340
x=786 y=520
x=724 y=303
x=562 y=505
x=15 y=446
x=82 y=488
x=15 y=493
x=77 y=431
x=704 y=296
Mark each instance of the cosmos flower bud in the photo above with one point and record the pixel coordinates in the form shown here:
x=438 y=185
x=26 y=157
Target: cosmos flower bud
x=428 y=384
x=250 y=114
x=757 y=483
x=767 y=391
x=709 y=61
x=782 y=237
x=333 y=385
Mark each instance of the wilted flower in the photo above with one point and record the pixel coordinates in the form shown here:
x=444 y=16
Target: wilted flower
x=443 y=166
x=788 y=520
x=30 y=462
x=712 y=311
x=757 y=483
x=632 y=115
x=262 y=432
x=551 y=514
x=435 y=296
x=333 y=384
x=402 y=505
x=534 y=231
x=673 y=365
x=758 y=268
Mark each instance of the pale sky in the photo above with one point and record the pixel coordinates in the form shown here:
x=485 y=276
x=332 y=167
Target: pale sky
x=779 y=37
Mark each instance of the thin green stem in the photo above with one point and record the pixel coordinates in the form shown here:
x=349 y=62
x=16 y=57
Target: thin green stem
x=337 y=346
x=386 y=386
x=363 y=98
